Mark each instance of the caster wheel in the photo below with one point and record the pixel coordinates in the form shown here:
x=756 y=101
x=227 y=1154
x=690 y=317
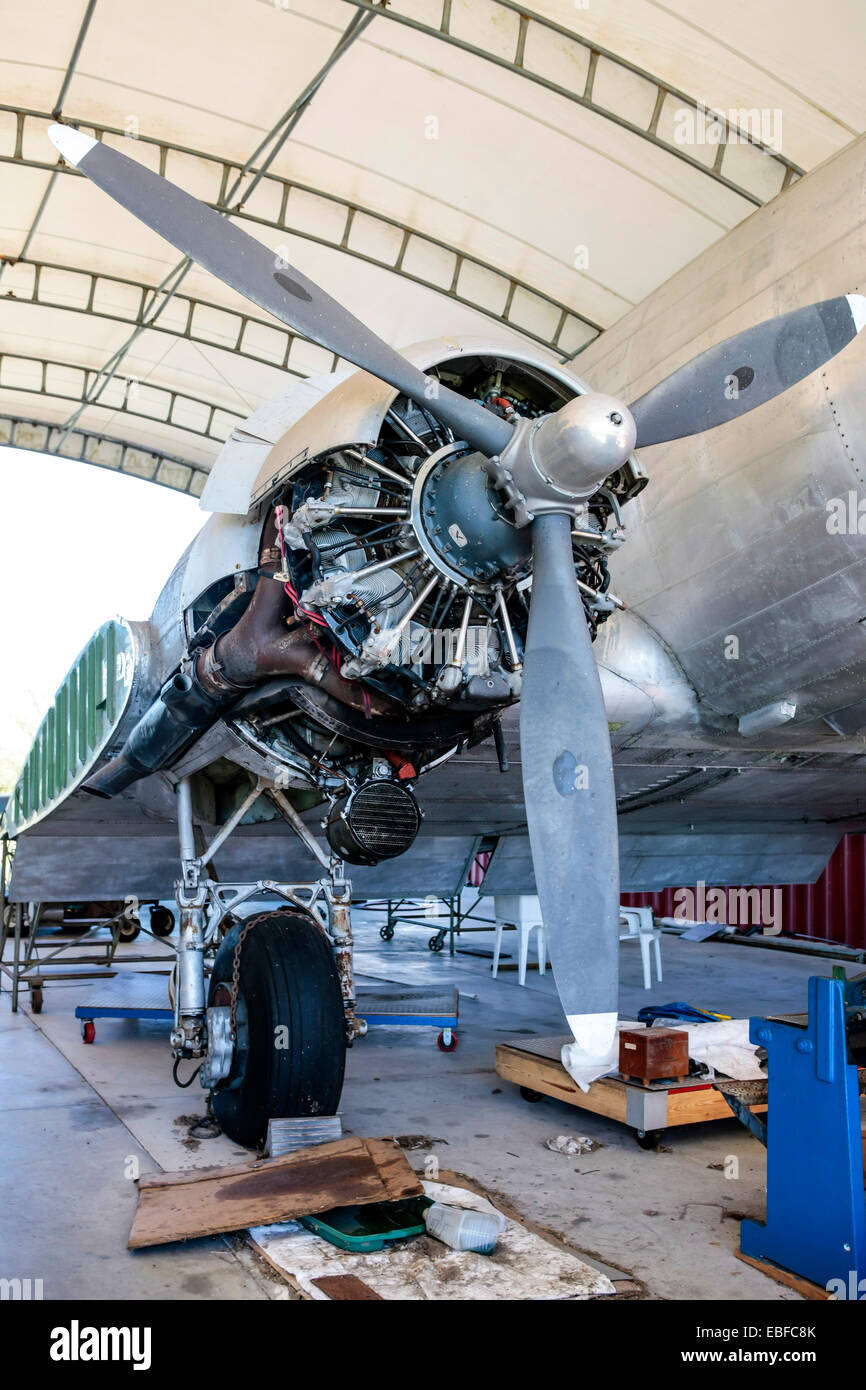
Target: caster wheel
x=128 y=931
x=36 y=998
x=386 y=933
x=533 y=1097
x=290 y=1051
x=436 y=942
x=649 y=1138
x=450 y=1045
x=161 y=921
x=88 y=1030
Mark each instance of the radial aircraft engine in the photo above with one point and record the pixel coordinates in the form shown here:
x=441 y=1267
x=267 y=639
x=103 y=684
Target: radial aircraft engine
x=393 y=594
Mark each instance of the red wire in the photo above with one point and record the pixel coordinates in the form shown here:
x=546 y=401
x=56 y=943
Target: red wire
x=313 y=617
x=304 y=612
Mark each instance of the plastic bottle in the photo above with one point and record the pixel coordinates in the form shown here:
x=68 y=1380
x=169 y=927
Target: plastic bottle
x=463 y=1229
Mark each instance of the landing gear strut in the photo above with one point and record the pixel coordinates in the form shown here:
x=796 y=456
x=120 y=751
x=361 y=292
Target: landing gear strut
x=274 y=1024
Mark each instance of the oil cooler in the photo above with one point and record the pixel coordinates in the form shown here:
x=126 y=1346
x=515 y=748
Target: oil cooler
x=378 y=820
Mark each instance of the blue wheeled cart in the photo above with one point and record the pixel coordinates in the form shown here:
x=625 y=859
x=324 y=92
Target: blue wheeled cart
x=139 y=995
x=145 y=996
x=415 y=1008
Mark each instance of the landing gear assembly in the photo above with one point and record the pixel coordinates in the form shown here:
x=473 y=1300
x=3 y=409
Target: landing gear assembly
x=272 y=1026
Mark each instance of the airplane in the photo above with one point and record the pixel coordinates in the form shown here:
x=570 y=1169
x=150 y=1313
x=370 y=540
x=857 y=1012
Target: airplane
x=396 y=561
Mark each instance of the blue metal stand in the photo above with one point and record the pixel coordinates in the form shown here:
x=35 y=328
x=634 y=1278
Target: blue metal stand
x=816 y=1214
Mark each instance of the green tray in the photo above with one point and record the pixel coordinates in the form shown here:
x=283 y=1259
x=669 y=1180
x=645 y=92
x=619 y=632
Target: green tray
x=368 y=1228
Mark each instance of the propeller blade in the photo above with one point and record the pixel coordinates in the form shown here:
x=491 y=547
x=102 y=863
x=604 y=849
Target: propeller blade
x=569 y=793
x=254 y=271
x=744 y=371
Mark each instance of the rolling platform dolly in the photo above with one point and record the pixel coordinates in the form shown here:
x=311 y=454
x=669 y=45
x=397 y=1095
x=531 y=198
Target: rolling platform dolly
x=145 y=996
x=140 y=996
x=415 y=1008
x=649 y=1110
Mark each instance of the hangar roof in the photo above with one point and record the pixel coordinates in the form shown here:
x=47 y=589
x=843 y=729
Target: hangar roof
x=438 y=165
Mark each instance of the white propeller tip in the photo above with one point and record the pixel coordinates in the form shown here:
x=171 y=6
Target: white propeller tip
x=593 y=1052
x=72 y=144
x=857 y=305
x=594 y=1035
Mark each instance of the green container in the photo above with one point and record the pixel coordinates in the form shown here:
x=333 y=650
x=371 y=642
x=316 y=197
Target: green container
x=368 y=1228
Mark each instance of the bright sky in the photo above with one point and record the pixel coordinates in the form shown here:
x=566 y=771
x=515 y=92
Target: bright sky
x=78 y=544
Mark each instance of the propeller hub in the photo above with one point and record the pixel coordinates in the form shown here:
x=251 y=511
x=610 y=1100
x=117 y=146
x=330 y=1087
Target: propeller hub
x=555 y=464
x=583 y=443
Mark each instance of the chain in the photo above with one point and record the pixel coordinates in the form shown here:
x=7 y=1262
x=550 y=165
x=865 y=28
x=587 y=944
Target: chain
x=236 y=976
x=236 y=972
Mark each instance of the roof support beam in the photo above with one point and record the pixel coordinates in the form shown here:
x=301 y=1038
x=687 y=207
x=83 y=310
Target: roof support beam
x=173 y=408
x=102 y=451
x=73 y=61
x=525 y=25
x=58 y=107
x=508 y=299
x=276 y=137
x=32 y=285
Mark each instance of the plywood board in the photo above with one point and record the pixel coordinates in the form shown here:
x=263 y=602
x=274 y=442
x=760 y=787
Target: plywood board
x=207 y=1201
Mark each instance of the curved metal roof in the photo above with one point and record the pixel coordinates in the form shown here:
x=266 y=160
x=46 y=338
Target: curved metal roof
x=436 y=164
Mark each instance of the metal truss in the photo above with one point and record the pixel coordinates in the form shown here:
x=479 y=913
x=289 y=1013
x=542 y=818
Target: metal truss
x=87 y=292
x=102 y=451
x=528 y=33
x=507 y=298
x=217 y=420
x=57 y=111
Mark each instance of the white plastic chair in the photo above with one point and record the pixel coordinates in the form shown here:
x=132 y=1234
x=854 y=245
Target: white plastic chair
x=639 y=927
x=523 y=912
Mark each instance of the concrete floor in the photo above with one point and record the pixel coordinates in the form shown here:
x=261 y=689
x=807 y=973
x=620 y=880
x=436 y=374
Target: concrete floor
x=78 y=1123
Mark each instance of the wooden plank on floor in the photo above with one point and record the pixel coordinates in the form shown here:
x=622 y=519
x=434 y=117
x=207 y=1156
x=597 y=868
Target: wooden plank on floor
x=207 y=1201
x=804 y=1287
x=691 y=1107
x=344 y=1288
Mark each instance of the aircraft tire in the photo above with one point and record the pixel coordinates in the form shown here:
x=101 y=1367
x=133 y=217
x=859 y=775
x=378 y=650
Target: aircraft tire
x=290 y=1052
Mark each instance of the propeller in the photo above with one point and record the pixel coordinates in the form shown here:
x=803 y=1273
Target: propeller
x=545 y=469
x=747 y=370
x=256 y=272
x=569 y=793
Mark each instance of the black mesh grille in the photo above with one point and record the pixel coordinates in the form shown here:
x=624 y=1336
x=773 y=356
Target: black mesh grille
x=384 y=818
